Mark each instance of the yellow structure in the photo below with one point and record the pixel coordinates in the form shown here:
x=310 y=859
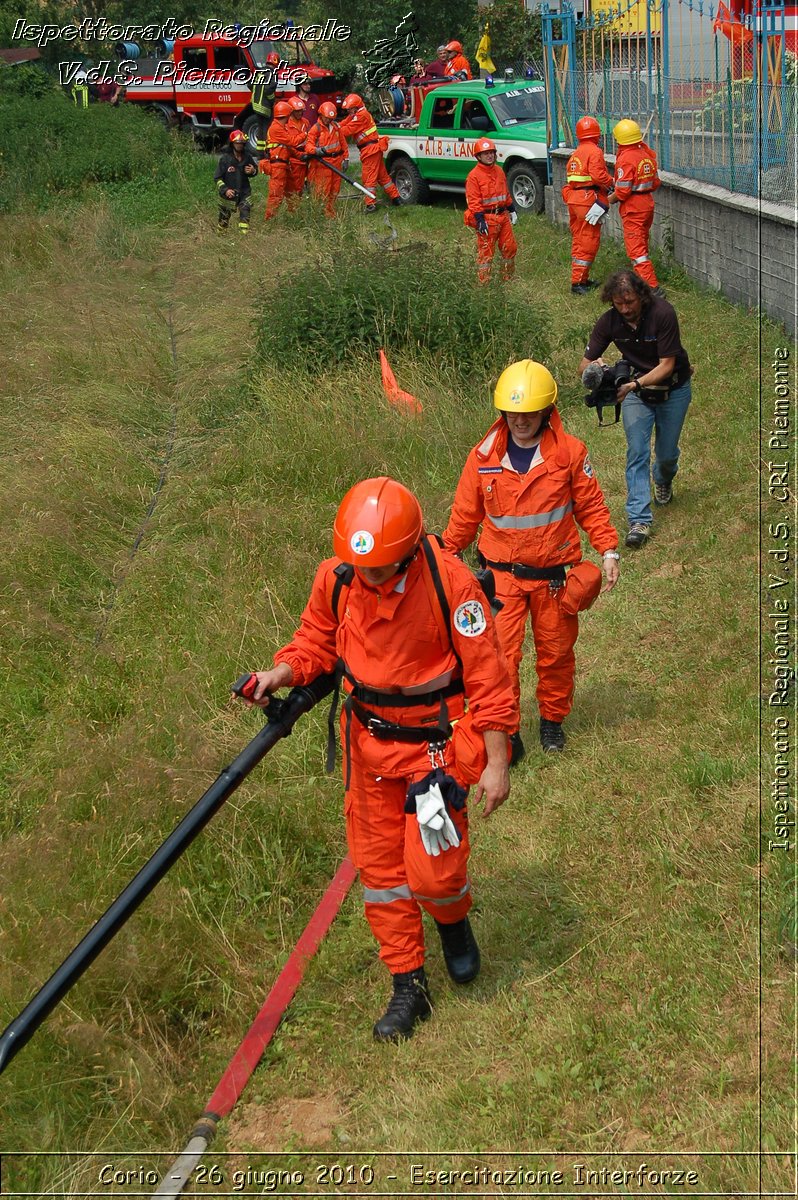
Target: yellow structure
x=633 y=18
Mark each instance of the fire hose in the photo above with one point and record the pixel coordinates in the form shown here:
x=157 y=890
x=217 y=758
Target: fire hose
x=281 y=717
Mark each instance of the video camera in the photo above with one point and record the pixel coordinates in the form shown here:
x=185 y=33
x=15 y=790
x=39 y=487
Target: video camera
x=603 y=383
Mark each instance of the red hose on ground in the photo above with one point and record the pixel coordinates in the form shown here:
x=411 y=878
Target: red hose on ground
x=262 y=1029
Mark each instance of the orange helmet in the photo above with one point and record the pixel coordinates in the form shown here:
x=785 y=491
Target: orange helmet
x=588 y=129
x=352 y=101
x=484 y=146
x=455 y=47
x=297 y=105
x=328 y=110
x=238 y=136
x=272 y=59
x=283 y=109
x=378 y=522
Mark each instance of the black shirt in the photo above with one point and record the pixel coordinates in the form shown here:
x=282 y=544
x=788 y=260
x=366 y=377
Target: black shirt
x=230 y=173
x=656 y=336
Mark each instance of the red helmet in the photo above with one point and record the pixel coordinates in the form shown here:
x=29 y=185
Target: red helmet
x=351 y=101
x=455 y=47
x=296 y=104
x=483 y=146
x=272 y=59
x=328 y=110
x=283 y=109
x=238 y=136
x=588 y=129
x=378 y=522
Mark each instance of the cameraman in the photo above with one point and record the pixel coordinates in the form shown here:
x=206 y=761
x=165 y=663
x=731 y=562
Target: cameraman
x=645 y=329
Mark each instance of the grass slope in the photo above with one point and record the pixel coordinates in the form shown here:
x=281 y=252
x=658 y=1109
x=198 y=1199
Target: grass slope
x=618 y=889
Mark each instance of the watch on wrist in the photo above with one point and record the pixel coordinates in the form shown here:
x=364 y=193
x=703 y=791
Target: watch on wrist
x=612 y=554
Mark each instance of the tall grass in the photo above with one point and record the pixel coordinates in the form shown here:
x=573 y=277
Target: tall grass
x=616 y=891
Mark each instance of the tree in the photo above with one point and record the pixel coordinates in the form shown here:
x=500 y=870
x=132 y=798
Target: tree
x=515 y=34
x=438 y=21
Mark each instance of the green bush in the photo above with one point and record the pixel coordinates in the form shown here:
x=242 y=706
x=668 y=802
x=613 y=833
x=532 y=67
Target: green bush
x=406 y=302
x=25 y=80
x=47 y=146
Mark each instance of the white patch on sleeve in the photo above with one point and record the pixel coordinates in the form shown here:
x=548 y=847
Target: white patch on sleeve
x=469 y=619
x=587 y=467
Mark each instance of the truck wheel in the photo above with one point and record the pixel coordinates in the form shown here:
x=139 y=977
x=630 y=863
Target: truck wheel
x=526 y=188
x=250 y=128
x=166 y=115
x=405 y=174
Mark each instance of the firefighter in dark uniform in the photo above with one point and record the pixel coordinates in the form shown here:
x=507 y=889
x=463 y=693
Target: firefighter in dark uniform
x=264 y=87
x=236 y=165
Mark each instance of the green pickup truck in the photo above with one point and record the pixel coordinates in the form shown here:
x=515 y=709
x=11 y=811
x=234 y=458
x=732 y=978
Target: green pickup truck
x=435 y=151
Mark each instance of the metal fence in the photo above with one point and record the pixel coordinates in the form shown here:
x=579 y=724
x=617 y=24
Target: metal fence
x=715 y=96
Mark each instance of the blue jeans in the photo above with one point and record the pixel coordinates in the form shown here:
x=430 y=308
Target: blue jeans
x=639 y=421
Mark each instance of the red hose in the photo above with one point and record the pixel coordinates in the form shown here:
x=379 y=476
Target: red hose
x=262 y=1029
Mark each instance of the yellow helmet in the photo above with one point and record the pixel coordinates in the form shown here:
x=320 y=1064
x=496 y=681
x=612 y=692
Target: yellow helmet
x=627 y=133
x=525 y=386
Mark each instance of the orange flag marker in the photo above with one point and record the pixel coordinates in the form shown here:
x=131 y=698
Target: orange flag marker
x=392 y=390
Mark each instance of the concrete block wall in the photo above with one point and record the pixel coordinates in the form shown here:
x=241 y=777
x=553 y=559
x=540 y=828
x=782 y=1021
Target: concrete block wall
x=747 y=249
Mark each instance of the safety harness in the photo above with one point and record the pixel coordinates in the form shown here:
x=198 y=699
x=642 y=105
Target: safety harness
x=361 y=700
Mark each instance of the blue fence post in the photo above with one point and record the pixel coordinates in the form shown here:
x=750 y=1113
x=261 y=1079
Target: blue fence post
x=567 y=38
x=665 y=91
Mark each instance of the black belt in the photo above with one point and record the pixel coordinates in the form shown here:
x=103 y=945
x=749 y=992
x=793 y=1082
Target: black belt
x=390 y=731
x=523 y=572
x=400 y=699
x=494 y=212
x=371 y=142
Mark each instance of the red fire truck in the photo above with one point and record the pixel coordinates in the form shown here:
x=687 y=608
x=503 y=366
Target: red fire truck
x=206 y=81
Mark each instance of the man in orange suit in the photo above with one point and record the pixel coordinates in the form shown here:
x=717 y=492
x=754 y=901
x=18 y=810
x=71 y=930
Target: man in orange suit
x=587 y=188
x=490 y=212
x=410 y=749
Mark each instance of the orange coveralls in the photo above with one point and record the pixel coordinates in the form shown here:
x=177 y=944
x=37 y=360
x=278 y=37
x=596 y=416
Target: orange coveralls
x=587 y=180
x=532 y=520
x=326 y=184
x=360 y=126
x=297 y=169
x=636 y=180
x=486 y=192
x=285 y=143
x=458 y=63
x=394 y=643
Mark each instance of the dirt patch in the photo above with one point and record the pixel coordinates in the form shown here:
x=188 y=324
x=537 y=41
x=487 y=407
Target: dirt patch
x=303 y=1124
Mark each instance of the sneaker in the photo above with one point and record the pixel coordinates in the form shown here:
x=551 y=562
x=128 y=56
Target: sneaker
x=517 y=749
x=663 y=493
x=409 y=1004
x=579 y=289
x=551 y=735
x=460 y=950
x=637 y=536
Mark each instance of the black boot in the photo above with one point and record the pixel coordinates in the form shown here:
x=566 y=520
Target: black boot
x=460 y=950
x=517 y=749
x=409 y=1003
x=551 y=735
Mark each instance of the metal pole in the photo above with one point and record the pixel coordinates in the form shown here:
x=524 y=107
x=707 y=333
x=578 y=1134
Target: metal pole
x=282 y=716
x=336 y=171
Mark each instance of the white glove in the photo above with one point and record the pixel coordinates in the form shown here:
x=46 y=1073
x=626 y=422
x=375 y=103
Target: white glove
x=513 y=216
x=435 y=825
x=596 y=213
